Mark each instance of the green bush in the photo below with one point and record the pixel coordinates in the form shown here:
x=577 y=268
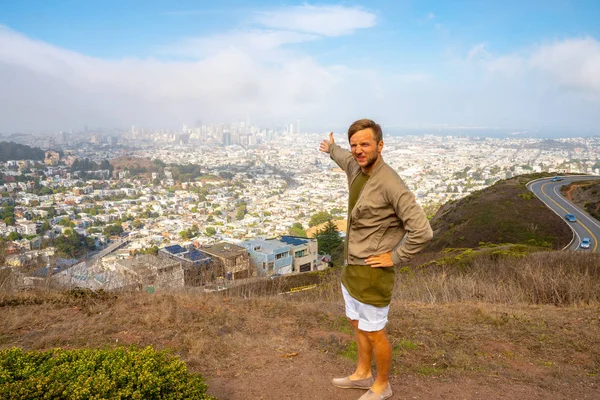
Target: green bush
x=97 y=374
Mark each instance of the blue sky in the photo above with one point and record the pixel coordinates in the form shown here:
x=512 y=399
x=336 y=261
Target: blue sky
x=516 y=65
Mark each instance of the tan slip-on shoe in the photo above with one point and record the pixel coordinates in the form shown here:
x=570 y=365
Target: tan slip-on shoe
x=346 y=383
x=371 y=395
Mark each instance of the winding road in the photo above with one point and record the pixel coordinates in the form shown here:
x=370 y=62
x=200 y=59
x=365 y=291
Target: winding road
x=586 y=225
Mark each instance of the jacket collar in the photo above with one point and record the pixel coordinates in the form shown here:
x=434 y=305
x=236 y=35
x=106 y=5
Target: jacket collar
x=378 y=166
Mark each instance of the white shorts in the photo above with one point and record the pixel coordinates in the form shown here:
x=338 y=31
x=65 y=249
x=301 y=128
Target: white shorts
x=370 y=318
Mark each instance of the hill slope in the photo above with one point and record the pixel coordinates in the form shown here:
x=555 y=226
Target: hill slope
x=16 y=151
x=503 y=213
x=585 y=194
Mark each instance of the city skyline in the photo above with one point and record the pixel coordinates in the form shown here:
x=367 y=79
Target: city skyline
x=507 y=66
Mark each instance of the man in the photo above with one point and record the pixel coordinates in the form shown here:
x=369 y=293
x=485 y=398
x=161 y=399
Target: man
x=386 y=227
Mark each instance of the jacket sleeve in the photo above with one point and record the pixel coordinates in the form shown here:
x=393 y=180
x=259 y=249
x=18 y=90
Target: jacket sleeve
x=343 y=158
x=416 y=224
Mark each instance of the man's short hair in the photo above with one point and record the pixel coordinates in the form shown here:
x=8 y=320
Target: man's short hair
x=364 y=124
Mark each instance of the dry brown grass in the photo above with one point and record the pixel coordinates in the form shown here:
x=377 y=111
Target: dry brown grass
x=499 y=321
x=560 y=278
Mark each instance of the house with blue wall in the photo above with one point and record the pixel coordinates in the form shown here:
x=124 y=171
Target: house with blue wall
x=269 y=256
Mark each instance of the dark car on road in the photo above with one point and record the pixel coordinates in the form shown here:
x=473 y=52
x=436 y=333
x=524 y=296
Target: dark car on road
x=570 y=218
x=557 y=178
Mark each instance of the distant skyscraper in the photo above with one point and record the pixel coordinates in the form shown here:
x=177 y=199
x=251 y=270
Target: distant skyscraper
x=226 y=138
x=291 y=129
x=298 y=125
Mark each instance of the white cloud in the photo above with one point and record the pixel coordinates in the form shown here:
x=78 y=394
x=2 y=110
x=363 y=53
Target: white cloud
x=570 y=63
x=478 y=52
x=574 y=63
x=253 y=40
x=430 y=15
x=321 y=20
x=217 y=78
x=227 y=83
x=222 y=77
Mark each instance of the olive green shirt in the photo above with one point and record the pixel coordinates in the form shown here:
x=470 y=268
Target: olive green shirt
x=366 y=284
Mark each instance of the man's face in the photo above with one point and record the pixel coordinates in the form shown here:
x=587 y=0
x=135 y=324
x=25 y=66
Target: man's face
x=365 y=149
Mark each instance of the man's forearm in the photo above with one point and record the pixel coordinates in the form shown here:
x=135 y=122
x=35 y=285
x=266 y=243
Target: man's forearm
x=342 y=157
x=413 y=243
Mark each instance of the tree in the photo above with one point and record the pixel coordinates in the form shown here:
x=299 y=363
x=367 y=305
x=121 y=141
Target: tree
x=210 y=231
x=226 y=175
x=45 y=191
x=319 y=218
x=45 y=227
x=113 y=230
x=66 y=222
x=137 y=224
x=297 y=230
x=13 y=236
x=72 y=244
x=328 y=239
x=190 y=233
x=158 y=165
x=241 y=211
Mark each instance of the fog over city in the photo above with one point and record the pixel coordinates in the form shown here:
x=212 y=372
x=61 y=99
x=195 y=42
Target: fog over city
x=326 y=65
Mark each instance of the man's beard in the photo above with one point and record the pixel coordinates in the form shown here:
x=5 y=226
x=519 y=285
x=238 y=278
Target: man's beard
x=370 y=161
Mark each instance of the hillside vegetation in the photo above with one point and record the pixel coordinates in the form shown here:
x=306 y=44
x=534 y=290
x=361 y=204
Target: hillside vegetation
x=506 y=212
x=15 y=151
x=585 y=194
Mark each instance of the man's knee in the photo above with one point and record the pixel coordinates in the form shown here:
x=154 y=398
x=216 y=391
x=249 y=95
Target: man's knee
x=353 y=322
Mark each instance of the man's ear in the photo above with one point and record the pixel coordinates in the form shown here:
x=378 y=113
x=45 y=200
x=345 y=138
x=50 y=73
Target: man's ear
x=380 y=146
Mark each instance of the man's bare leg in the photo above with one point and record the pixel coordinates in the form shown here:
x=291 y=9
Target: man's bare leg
x=383 y=358
x=365 y=353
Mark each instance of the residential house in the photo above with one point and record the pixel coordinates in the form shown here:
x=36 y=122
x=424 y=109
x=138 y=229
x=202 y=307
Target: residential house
x=232 y=260
x=198 y=266
x=52 y=158
x=269 y=256
x=147 y=271
x=304 y=251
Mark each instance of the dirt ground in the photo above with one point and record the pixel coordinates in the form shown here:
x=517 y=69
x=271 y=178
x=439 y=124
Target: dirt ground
x=307 y=375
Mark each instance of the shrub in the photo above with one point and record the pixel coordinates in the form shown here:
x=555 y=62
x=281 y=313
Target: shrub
x=97 y=374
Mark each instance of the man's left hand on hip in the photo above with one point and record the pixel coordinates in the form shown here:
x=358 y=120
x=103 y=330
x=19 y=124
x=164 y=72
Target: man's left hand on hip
x=381 y=261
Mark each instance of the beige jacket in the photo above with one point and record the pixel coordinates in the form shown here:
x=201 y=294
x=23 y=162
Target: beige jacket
x=385 y=213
